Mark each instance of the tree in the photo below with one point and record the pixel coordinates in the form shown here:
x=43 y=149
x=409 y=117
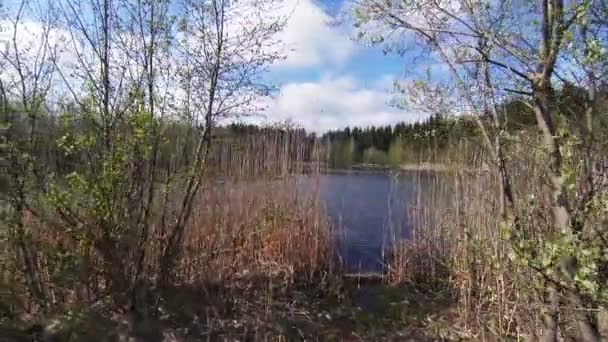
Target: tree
x=374 y=156
x=342 y=153
x=526 y=48
x=225 y=46
x=25 y=79
x=395 y=152
x=140 y=91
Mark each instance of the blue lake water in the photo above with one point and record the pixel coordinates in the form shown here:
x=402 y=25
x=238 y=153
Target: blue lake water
x=370 y=211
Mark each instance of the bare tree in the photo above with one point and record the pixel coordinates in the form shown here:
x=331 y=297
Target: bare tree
x=146 y=45
x=121 y=72
x=225 y=46
x=25 y=78
x=129 y=69
x=494 y=49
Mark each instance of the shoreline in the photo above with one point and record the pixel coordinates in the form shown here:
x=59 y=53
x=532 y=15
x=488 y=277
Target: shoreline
x=403 y=168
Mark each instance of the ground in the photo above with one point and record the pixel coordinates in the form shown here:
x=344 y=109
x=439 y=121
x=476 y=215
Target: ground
x=354 y=310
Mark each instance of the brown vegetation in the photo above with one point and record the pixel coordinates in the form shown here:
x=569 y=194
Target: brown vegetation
x=461 y=247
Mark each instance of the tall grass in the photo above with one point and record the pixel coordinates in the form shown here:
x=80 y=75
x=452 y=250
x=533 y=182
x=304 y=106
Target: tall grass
x=248 y=224
x=260 y=228
x=458 y=245
x=251 y=222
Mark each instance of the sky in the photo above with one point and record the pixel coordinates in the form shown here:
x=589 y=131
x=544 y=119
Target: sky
x=330 y=81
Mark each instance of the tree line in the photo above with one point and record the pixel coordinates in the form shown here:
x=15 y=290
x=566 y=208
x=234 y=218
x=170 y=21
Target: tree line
x=401 y=143
x=438 y=138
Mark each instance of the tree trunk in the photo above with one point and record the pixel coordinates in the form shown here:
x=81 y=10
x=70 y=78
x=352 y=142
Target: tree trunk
x=561 y=213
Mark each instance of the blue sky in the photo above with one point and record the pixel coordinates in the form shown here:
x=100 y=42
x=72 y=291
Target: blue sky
x=328 y=80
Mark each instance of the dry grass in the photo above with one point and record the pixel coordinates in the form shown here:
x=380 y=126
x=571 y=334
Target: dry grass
x=248 y=223
x=457 y=248
x=459 y=245
x=241 y=230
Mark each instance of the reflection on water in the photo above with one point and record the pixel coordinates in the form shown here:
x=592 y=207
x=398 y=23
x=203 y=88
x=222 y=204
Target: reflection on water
x=370 y=210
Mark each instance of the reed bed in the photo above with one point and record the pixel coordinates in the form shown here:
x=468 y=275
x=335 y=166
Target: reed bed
x=456 y=249
x=241 y=230
x=250 y=227
x=251 y=220
x=459 y=246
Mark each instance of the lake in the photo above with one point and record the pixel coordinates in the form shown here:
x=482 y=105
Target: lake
x=370 y=211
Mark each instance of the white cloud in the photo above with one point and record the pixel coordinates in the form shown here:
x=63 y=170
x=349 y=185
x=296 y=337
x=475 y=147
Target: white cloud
x=310 y=38
x=331 y=102
x=336 y=102
x=36 y=45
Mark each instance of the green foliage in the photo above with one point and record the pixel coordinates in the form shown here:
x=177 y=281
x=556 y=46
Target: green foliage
x=566 y=255
x=101 y=202
x=395 y=153
x=342 y=153
x=374 y=156
x=576 y=257
x=405 y=142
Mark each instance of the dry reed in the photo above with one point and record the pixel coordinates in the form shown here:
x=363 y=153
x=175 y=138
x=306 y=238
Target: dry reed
x=248 y=223
x=457 y=246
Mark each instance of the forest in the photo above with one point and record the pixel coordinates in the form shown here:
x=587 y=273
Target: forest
x=402 y=143
x=441 y=138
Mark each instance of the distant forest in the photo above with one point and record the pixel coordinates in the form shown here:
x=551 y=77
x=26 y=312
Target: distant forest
x=402 y=143
x=58 y=135
x=440 y=138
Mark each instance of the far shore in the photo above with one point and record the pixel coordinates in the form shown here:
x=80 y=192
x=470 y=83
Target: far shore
x=407 y=167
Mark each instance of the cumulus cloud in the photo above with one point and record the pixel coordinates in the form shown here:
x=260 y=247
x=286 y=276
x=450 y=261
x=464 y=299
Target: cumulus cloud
x=54 y=57
x=336 y=102
x=37 y=44
x=330 y=102
x=310 y=38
